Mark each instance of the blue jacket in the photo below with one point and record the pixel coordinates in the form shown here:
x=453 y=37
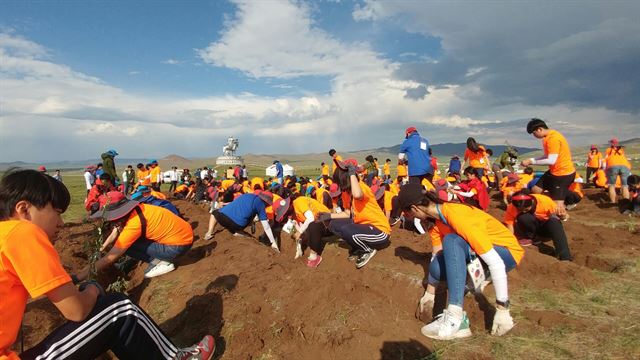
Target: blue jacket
x=279 y=170
x=416 y=149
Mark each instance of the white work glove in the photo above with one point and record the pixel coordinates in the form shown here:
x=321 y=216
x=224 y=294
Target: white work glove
x=502 y=322
x=425 y=306
x=274 y=246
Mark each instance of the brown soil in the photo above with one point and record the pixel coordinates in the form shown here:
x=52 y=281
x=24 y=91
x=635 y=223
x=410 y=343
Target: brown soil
x=261 y=305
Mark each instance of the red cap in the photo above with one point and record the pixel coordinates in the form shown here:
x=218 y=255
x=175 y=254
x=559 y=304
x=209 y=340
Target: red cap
x=593 y=147
x=409 y=130
x=280 y=208
x=513 y=177
x=42 y=168
x=614 y=141
x=334 y=190
x=344 y=164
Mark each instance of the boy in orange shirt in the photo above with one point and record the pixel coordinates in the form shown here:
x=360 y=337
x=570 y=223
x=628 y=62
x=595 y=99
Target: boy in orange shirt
x=532 y=215
x=557 y=155
x=30 y=217
x=594 y=161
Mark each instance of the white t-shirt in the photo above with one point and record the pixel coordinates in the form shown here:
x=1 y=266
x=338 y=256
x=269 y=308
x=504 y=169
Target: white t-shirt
x=88 y=179
x=173 y=175
x=204 y=174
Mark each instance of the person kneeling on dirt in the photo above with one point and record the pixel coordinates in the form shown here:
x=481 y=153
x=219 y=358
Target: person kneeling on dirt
x=530 y=216
x=144 y=195
x=634 y=189
x=103 y=185
x=31 y=205
x=362 y=225
x=239 y=213
x=459 y=231
x=144 y=232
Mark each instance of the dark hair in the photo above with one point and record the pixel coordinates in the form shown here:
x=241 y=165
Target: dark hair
x=388 y=160
x=106 y=177
x=472 y=144
x=535 y=124
x=528 y=170
x=332 y=152
x=633 y=181
x=369 y=158
x=99 y=165
x=342 y=178
x=489 y=151
x=470 y=170
x=33 y=186
x=140 y=165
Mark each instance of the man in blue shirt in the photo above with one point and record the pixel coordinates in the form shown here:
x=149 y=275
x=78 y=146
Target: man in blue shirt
x=239 y=213
x=415 y=151
x=279 y=171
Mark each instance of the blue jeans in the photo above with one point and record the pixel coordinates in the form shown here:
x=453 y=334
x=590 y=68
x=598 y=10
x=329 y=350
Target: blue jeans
x=147 y=250
x=453 y=260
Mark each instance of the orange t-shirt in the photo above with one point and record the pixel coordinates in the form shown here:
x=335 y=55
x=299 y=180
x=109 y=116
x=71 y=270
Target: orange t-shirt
x=555 y=143
x=226 y=184
x=476 y=159
x=386 y=169
x=402 y=170
x=163 y=227
x=334 y=166
x=367 y=211
x=181 y=188
x=303 y=204
x=158 y=195
x=576 y=188
x=593 y=160
x=155 y=175
x=525 y=179
x=481 y=230
x=29 y=267
x=325 y=169
x=544 y=209
x=388 y=200
x=617 y=158
x=142 y=177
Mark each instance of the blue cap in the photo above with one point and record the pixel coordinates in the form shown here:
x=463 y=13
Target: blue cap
x=136 y=195
x=309 y=190
x=142 y=188
x=112 y=152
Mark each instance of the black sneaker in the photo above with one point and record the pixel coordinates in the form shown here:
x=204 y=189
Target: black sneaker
x=364 y=258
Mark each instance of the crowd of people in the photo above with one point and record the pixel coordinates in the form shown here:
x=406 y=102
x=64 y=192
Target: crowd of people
x=358 y=203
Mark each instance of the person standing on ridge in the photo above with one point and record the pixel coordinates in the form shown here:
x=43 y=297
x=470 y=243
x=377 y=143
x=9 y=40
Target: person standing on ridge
x=109 y=165
x=415 y=151
x=557 y=155
x=594 y=162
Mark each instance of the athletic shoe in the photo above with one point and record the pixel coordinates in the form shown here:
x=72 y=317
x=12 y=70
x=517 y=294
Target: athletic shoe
x=364 y=258
x=447 y=327
x=525 y=242
x=353 y=256
x=208 y=236
x=201 y=351
x=157 y=268
x=394 y=220
x=240 y=234
x=571 y=207
x=314 y=263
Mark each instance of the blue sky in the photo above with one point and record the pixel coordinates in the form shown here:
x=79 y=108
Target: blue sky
x=153 y=78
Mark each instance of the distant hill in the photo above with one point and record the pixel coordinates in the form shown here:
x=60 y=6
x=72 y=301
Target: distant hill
x=449 y=149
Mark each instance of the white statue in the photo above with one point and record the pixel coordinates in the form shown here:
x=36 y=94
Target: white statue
x=230 y=148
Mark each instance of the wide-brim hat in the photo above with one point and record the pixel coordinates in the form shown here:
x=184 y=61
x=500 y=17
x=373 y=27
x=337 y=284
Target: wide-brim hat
x=344 y=164
x=280 y=208
x=378 y=192
x=114 y=206
x=265 y=196
x=334 y=190
x=512 y=178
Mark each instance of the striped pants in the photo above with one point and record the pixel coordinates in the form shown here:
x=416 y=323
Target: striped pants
x=360 y=237
x=115 y=324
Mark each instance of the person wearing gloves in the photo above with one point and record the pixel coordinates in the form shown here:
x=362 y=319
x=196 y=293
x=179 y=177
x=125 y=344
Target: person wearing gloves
x=415 y=151
x=97 y=321
x=239 y=213
x=557 y=154
x=144 y=232
x=458 y=230
x=530 y=216
x=362 y=225
x=306 y=213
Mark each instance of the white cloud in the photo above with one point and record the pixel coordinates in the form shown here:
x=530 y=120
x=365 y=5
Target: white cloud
x=172 y=62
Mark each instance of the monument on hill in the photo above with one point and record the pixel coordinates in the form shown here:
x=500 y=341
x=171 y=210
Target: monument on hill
x=229 y=156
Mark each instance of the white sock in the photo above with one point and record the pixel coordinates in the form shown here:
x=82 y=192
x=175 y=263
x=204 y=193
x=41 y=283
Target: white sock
x=313 y=256
x=429 y=296
x=455 y=310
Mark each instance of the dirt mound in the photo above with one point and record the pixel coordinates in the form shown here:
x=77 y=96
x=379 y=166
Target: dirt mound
x=261 y=305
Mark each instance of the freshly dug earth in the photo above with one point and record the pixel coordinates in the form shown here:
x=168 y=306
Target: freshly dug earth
x=263 y=305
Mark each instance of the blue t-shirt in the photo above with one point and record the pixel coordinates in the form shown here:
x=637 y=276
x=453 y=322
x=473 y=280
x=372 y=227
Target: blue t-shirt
x=243 y=209
x=416 y=149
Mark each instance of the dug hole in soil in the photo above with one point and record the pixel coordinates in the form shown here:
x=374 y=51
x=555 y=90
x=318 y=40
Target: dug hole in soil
x=259 y=304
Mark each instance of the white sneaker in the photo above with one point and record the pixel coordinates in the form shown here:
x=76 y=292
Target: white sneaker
x=571 y=207
x=447 y=327
x=298 y=249
x=157 y=268
x=208 y=236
